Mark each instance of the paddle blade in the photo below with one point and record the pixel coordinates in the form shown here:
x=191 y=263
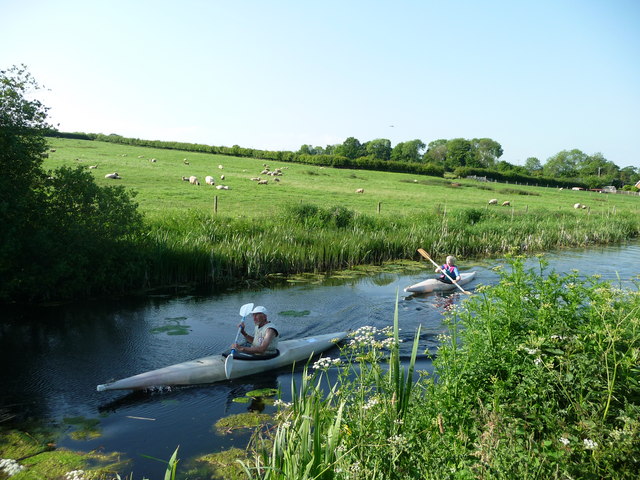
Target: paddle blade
x=228 y=365
x=246 y=309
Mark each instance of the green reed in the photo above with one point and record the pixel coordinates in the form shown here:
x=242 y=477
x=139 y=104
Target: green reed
x=202 y=248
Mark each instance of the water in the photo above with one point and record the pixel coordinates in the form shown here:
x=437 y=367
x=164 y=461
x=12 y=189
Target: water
x=54 y=357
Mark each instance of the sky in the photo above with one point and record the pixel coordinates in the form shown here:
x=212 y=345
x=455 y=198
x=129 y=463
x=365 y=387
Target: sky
x=537 y=76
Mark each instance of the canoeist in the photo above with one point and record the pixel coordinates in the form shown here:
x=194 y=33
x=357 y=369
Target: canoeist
x=264 y=340
x=449 y=271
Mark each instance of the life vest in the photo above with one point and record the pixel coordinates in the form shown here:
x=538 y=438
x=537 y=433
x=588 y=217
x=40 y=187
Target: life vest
x=259 y=334
x=452 y=272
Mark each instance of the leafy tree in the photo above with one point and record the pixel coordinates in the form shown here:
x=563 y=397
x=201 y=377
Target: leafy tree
x=351 y=148
x=436 y=152
x=533 y=166
x=597 y=165
x=564 y=164
x=486 y=152
x=629 y=175
x=380 y=148
x=410 y=151
x=62 y=235
x=459 y=153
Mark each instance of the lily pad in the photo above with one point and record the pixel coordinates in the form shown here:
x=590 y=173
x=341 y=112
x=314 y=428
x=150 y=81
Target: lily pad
x=262 y=392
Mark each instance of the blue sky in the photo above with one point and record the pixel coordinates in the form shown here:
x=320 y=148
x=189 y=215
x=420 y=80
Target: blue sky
x=536 y=76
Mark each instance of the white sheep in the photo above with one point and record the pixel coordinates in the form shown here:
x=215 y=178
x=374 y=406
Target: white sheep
x=577 y=206
x=506 y=203
x=255 y=179
x=360 y=190
x=493 y=201
x=113 y=175
x=209 y=180
x=220 y=167
x=220 y=187
x=153 y=160
x=193 y=180
x=221 y=177
x=263 y=182
x=185 y=161
x=93 y=166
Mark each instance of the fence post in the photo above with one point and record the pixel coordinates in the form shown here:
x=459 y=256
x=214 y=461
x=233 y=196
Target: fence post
x=215 y=204
x=379 y=203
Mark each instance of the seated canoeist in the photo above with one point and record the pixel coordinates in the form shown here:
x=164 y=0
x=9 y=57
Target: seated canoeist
x=449 y=272
x=264 y=341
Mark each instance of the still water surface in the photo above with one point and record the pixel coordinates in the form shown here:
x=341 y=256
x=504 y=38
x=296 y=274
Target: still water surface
x=53 y=358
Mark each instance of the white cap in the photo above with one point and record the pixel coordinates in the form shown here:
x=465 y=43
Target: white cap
x=259 y=309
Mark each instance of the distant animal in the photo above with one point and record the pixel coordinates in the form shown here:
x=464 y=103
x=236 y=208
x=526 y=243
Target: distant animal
x=263 y=182
x=577 y=205
x=506 y=203
x=185 y=161
x=93 y=166
x=220 y=167
x=113 y=175
x=493 y=201
x=185 y=179
x=221 y=177
x=193 y=180
x=153 y=160
x=255 y=179
x=360 y=190
x=209 y=180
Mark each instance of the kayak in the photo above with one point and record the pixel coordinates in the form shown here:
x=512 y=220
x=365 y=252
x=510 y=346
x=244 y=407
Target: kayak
x=433 y=285
x=211 y=369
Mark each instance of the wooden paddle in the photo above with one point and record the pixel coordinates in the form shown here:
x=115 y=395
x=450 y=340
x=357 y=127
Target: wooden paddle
x=228 y=362
x=422 y=252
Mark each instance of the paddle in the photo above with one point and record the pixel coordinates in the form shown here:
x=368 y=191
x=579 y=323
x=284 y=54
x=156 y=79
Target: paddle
x=426 y=255
x=228 y=362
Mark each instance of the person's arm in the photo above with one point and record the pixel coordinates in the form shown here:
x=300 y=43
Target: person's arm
x=457 y=274
x=246 y=336
x=271 y=333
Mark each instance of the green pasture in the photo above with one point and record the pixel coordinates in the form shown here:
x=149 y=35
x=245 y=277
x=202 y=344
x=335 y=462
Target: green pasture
x=161 y=189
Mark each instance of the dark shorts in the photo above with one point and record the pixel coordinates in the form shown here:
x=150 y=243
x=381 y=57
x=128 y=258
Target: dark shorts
x=252 y=356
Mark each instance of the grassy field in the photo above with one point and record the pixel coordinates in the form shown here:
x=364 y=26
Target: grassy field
x=161 y=190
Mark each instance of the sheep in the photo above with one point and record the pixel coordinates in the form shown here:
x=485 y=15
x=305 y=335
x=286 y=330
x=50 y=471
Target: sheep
x=577 y=206
x=276 y=179
x=209 y=180
x=360 y=190
x=52 y=150
x=153 y=160
x=583 y=206
x=92 y=166
x=255 y=179
x=493 y=201
x=220 y=187
x=185 y=161
x=506 y=203
x=185 y=179
x=220 y=167
x=264 y=172
x=221 y=177
x=193 y=180
x=263 y=182
x=113 y=175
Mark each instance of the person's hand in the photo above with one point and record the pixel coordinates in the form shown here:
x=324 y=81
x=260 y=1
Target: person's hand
x=241 y=327
x=235 y=346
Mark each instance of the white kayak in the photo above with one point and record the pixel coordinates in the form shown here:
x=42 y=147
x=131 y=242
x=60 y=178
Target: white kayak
x=434 y=285
x=211 y=369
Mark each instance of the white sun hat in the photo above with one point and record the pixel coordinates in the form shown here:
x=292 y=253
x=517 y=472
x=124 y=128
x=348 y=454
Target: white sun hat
x=259 y=309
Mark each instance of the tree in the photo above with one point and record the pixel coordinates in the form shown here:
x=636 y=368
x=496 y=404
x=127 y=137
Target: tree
x=351 y=148
x=410 y=151
x=564 y=164
x=459 y=153
x=533 y=166
x=380 y=148
x=486 y=152
x=62 y=235
x=436 y=152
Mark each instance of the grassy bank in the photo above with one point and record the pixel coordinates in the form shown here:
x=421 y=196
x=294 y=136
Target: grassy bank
x=536 y=378
x=312 y=219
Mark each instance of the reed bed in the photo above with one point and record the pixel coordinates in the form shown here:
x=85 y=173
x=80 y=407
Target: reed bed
x=202 y=248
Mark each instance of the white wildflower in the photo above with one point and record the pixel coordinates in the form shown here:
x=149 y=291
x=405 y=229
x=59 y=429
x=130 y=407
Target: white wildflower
x=531 y=351
x=538 y=361
x=397 y=440
x=282 y=404
x=371 y=403
x=10 y=466
x=589 y=444
x=564 y=441
x=75 y=475
x=325 y=363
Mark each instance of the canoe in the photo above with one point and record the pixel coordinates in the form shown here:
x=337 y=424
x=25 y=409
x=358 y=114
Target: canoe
x=433 y=285
x=211 y=369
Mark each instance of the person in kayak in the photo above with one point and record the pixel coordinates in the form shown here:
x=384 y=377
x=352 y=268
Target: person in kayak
x=449 y=271
x=264 y=340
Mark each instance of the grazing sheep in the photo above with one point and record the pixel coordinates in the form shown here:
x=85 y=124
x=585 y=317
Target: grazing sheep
x=220 y=187
x=264 y=172
x=221 y=177
x=263 y=182
x=255 y=179
x=185 y=179
x=113 y=175
x=52 y=150
x=209 y=180
x=93 y=166
x=360 y=190
x=193 y=180
x=185 y=161
x=276 y=179
x=153 y=160
x=493 y=201
x=583 y=206
x=577 y=206
x=506 y=203
x=220 y=167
